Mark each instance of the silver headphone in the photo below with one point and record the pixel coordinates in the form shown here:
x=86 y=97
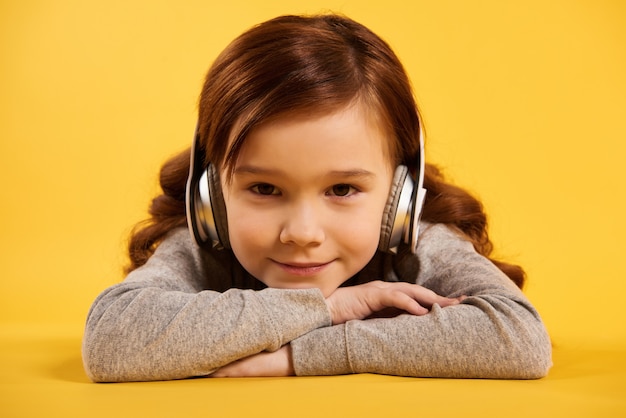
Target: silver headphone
x=208 y=224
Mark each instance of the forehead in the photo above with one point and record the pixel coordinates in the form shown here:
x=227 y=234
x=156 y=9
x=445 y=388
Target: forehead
x=354 y=118
x=342 y=140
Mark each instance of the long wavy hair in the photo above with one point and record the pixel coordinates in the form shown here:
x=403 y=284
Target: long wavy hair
x=307 y=65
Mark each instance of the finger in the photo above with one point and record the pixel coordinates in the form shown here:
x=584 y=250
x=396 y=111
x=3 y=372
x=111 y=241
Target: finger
x=237 y=368
x=230 y=370
x=400 y=300
x=219 y=373
x=427 y=297
x=424 y=296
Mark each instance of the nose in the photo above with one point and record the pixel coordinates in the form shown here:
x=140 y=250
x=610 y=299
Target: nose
x=303 y=225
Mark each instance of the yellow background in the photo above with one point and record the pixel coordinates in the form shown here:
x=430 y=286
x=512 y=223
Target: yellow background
x=524 y=104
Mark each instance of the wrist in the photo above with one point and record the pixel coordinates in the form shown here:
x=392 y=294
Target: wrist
x=329 y=307
x=289 y=357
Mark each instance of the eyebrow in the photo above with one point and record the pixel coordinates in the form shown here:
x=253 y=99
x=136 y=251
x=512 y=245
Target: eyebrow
x=251 y=169
x=355 y=173
x=351 y=173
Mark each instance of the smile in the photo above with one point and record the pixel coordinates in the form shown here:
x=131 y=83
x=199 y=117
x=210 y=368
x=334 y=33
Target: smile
x=303 y=269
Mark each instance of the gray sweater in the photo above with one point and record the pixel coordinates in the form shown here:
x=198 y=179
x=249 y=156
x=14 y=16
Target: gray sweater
x=189 y=311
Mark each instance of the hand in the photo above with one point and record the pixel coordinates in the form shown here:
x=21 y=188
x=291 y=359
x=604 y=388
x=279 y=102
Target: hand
x=265 y=364
x=365 y=300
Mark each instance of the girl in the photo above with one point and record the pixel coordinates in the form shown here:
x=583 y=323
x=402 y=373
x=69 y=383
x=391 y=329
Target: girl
x=303 y=256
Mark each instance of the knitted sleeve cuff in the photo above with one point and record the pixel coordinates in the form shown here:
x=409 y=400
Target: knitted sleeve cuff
x=321 y=352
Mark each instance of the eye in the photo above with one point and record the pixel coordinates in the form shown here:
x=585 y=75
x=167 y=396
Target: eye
x=342 y=190
x=265 y=189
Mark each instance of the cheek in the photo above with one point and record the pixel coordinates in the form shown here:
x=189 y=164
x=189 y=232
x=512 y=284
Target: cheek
x=249 y=243
x=246 y=232
x=359 y=234
x=245 y=229
x=363 y=233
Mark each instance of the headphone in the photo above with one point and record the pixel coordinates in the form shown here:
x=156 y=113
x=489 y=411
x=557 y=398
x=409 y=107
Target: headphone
x=206 y=210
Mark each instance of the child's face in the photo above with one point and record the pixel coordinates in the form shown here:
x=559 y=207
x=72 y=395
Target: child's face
x=306 y=199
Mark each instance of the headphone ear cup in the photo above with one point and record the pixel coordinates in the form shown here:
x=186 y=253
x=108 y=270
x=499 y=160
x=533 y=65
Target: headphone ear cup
x=397 y=210
x=206 y=210
x=218 y=208
x=204 y=201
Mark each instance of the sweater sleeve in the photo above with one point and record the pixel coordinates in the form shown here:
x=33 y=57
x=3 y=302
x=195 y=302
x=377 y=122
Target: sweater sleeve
x=494 y=333
x=158 y=324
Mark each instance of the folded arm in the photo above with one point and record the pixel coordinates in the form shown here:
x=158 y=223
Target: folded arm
x=158 y=325
x=494 y=333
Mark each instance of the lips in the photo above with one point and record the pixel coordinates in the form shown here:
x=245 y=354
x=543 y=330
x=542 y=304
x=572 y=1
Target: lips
x=303 y=269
